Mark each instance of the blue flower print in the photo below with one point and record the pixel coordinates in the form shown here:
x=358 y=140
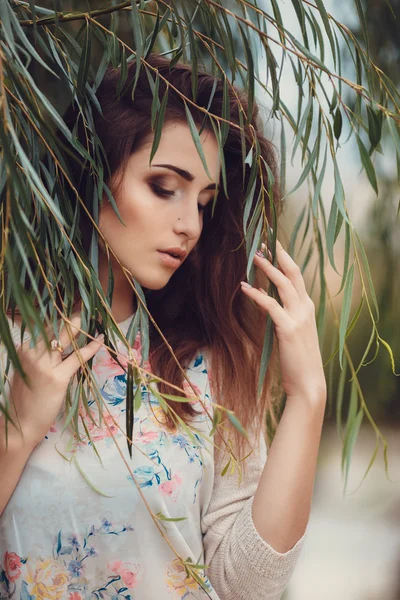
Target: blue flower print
x=75 y=567
x=145 y=476
x=114 y=390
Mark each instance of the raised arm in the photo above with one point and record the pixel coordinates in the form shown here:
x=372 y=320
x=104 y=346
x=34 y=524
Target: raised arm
x=283 y=498
x=36 y=407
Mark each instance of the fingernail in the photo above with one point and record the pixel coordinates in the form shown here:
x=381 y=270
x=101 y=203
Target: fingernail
x=259 y=253
x=245 y=284
x=100 y=338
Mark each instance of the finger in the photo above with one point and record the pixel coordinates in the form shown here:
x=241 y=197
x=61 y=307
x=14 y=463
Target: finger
x=267 y=304
x=287 y=292
x=40 y=346
x=290 y=269
x=71 y=364
x=68 y=331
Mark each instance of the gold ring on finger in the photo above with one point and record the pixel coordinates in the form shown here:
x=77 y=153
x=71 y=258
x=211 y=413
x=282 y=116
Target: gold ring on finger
x=56 y=345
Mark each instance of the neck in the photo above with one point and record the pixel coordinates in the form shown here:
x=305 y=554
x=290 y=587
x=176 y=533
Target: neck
x=123 y=301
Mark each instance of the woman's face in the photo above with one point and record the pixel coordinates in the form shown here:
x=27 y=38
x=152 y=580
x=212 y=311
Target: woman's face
x=161 y=206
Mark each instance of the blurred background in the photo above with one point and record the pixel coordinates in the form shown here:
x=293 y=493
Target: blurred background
x=353 y=546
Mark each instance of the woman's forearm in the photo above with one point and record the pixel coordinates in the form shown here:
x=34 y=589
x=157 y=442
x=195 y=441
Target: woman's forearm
x=282 y=502
x=13 y=457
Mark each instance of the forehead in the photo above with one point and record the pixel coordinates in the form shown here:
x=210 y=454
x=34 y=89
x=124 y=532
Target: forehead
x=177 y=147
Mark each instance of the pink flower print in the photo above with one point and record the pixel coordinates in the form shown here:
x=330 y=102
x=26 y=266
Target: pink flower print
x=107 y=365
x=191 y=393
x=145 y=436
x=75 y=596
x=197 y=405
x=127 y=571
x=129 y=578
x=172 y=487
x=115 y=566
x=107 y=428
x=12 y=566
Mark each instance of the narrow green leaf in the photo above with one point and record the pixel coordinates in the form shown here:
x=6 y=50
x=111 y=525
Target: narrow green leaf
x=250 y=74
x=86 y=478
x=225 y=112
x=162 y=517
x=217 y=418
x=159 y=125
x=394 y=133
x=123 y=73
x=299 y=10
x=177 y=398
x=266 y=353
x=345 y=313
x=307 y=115
x=237 y=424
x=346 y=257
x=318 y=186
x=226 y=467
x=310 y=164
x=365 y=263
x=196 y=139
x=390 y=351
x=295 y=231
x=352 y=435
x=367 y=164
x=339 y=398
x=331 y=234
x=325 y=20
x=375 y=123
x=339 y=191
x=85 y=59
x=337 y=123
x=363 y=21
x=307 y=53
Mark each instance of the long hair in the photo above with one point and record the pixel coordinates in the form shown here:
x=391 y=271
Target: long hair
x=202 y=306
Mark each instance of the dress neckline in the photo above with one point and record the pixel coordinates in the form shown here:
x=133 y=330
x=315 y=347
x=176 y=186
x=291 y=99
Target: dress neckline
x=126 y=321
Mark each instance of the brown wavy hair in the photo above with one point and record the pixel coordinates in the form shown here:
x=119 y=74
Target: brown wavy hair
x=202 y=306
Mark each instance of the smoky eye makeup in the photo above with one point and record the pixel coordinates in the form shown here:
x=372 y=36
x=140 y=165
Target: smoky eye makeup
x=160 y=187
x=159 y=190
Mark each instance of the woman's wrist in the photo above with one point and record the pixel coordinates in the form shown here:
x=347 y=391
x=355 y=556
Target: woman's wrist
x=13 y=440
x=313 y=401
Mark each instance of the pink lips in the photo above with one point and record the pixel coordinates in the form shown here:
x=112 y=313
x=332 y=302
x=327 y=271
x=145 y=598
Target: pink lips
x=168 y=260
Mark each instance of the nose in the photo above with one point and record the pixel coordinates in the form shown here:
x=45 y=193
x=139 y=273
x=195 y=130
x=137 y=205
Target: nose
x=188 y=219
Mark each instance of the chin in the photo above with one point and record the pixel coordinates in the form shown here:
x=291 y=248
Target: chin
x=153 y=283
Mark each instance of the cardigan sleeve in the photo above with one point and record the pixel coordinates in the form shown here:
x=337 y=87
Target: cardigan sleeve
x=242 y=565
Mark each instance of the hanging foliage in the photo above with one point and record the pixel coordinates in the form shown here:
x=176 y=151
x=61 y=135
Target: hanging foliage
x=40 y=239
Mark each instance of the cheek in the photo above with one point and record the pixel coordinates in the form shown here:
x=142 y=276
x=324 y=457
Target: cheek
x=138 y=212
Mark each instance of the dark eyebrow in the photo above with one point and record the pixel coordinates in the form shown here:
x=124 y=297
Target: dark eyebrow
x=185 y=174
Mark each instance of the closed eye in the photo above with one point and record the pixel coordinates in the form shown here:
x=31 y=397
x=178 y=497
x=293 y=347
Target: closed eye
x=164 y=193
x=160 y=191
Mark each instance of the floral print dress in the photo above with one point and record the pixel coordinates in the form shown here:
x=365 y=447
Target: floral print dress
x=76 y=526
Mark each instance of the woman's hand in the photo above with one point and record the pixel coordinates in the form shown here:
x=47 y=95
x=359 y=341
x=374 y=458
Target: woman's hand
x=295 y=327
x=35 y=408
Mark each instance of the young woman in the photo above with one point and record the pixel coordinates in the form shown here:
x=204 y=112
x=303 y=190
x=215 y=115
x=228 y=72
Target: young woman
x=80 y=518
